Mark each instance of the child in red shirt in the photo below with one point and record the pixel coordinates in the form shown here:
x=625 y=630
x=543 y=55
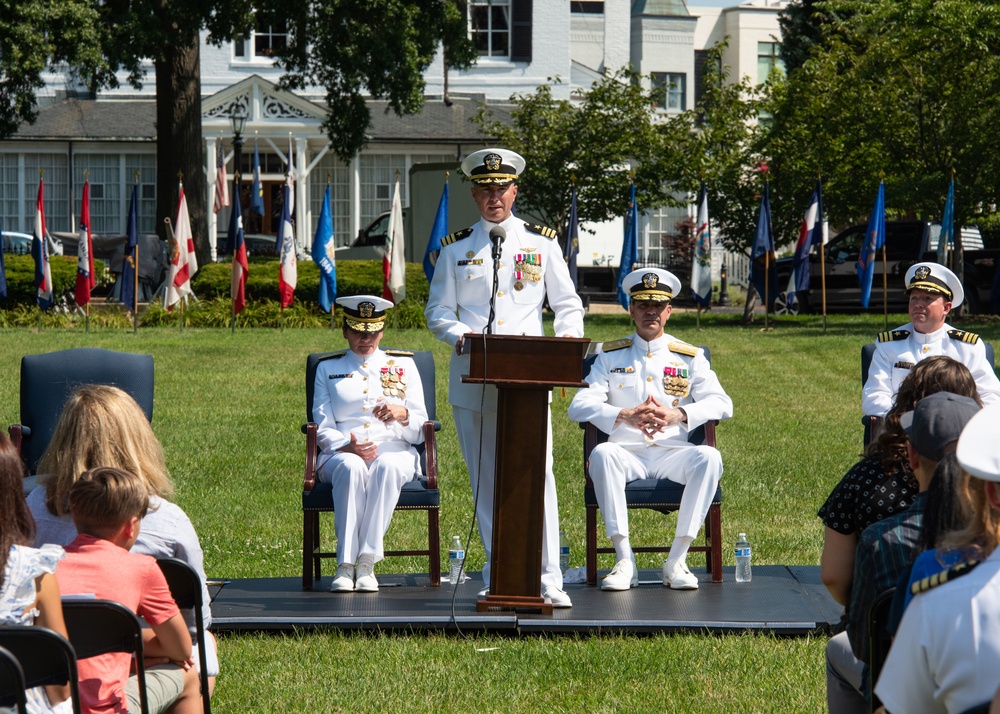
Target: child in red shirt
x=107 y=505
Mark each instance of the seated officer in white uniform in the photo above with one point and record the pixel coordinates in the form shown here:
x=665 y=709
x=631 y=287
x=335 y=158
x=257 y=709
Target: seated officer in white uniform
x=646 y=391
x=946 y=654
x=530 y=271
x=933 y=292
x=369 y=405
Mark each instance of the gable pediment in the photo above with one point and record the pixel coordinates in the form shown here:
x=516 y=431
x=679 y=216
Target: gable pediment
x=262 y=102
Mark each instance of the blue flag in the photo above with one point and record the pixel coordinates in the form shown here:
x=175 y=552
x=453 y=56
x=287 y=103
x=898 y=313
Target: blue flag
x=3 y=269
x=256 y=190
x=946 y=239
x=127 y=295
x=572 y=247
x=438 y=232
x=763 y=271
x=810 y=234
x=323 y=255
x=874 y=240
x=630 y=246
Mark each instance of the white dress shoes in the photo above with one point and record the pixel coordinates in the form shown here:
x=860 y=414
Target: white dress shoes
x=365 y=581
x=557 y=597
x=677 y=576
x=622 y=577
x=343 y=582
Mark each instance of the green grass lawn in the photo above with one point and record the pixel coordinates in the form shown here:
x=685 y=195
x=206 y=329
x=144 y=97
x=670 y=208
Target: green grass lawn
x=229 y=409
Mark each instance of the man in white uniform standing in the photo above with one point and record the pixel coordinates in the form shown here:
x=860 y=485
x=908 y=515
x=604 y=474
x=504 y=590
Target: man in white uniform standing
x=646 y=392
x=530 y=268
x=369 y=405
x=933 y=292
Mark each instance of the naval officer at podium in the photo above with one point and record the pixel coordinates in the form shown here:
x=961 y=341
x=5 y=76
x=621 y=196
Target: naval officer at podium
x=531 y=267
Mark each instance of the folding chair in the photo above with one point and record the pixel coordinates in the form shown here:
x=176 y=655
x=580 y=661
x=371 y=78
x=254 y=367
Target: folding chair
x=44 y=656
x=873 y=424
x=185 y=587
x=48 y=379
x=419 y=494
x=98 y=627
x=12 y=684
x=661 y=495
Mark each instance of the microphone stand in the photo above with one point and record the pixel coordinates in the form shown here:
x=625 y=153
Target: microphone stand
x=495 y=252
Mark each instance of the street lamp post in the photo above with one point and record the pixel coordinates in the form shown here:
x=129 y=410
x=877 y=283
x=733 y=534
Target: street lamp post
x=239 y=121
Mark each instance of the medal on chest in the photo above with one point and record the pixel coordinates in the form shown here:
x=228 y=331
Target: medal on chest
x=675 y=380
x=393 y=381
x=527 y=268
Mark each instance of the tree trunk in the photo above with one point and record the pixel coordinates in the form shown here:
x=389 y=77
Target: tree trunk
x=750 y=304
x=180 y=148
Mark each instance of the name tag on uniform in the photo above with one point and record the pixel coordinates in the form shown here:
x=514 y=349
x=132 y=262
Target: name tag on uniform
x=903 y=365
x=476 y=261
x=342 y=376
x=623 y=370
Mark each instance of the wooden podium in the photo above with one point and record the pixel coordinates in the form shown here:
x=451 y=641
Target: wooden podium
x=524 y=370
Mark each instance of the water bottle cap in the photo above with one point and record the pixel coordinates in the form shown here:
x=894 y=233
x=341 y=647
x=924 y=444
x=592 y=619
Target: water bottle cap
x=455 y=540
x=743 y=536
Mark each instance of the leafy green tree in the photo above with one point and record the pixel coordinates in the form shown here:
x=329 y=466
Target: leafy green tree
x=908 y=91
x=351 y=49
x=596 y=144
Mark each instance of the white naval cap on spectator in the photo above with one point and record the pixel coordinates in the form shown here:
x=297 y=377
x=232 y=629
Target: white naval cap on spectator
x=653 y=284
x=364 y=313
x=978 y=449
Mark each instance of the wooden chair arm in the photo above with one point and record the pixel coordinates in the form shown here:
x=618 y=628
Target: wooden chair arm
x=309 y=479
x=710 y=432
x=430 y=452
x=17 y=432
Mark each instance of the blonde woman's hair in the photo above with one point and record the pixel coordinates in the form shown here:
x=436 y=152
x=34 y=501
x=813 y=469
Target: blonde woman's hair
x=981 y=534
x=101 y=426
x=102 y=500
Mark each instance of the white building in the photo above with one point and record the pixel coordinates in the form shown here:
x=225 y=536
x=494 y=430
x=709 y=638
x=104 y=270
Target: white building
x=111 y=138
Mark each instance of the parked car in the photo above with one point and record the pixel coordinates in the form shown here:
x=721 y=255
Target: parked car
x=17 y=243
x=376 y=233
x=906 y=243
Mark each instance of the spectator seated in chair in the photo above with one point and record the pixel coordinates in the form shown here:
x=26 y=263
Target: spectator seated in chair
x=107 y=506
x=29 y=593
x=101 y=425
x=369 y=406
x=882 y=484
x=646 y=391
x=946 y=654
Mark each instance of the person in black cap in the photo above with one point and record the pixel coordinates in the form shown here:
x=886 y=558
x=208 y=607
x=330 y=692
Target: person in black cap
x=369 y=405
x=531 y=271
x=933 y=292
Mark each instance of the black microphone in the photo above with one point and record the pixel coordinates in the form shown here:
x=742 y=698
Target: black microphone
x=497 y=234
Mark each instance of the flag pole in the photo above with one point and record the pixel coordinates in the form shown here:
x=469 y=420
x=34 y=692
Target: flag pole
x=822 y=254
x=885 y=290
x=135 y=258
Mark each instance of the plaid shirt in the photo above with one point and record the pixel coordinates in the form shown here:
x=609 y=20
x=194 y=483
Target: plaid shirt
x=885 y=550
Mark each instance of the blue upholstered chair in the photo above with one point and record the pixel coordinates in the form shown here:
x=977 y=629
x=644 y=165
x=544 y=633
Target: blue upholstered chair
x=421 y=494
x=48 y=379
x=661 y=495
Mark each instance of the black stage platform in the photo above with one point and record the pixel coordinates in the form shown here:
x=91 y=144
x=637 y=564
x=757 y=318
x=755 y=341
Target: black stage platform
x=785 y=600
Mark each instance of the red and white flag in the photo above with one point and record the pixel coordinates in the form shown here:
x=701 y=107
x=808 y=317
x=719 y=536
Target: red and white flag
x=288 y=273
x=394 y=260
x=85 y=278
x=184 y=262
x=40 y=251
x=221 y=182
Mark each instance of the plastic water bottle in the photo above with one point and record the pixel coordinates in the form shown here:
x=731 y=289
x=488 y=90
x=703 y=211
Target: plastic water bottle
x=563 y=553
x=456 y=560
x=743 y=574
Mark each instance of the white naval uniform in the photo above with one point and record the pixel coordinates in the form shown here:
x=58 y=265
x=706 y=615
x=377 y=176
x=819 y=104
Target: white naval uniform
x=347 y=387
x=946 y=654
x=459 y=302
x=623 y=378
x=895 y=355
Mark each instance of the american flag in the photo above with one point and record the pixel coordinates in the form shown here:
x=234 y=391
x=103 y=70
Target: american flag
x=221 y=185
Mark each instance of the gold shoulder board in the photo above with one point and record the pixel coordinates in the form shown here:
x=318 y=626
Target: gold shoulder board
x=683 y=348
x=541 y=230
x=332 y=355
x=963 y=336
x=932 y=581
x=893 y=335
x=398 y=353
x=617 y=345
x=457 y=235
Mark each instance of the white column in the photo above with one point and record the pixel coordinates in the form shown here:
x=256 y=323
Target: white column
x=213 y=217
